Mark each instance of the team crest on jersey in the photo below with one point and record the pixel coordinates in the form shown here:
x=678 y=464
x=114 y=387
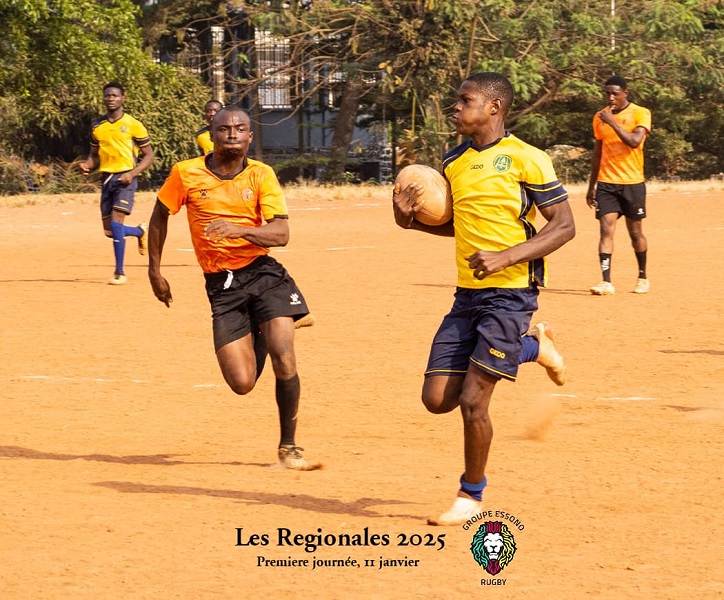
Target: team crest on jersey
x=502 y=163
x=124 y=128
x=493 y=545
x=247 y=195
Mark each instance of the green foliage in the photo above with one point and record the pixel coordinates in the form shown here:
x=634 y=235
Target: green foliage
x=170 y=102
x=13 y=176
x=54 y=61
x=55 y=56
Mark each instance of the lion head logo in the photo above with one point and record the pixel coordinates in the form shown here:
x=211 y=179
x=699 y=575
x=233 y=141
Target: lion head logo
x=493 y=546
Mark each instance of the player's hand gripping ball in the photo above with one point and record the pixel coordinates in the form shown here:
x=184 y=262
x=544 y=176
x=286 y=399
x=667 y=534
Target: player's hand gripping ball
x=437 y=206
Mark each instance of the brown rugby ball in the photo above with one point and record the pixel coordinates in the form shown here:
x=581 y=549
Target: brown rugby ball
x=437 y=206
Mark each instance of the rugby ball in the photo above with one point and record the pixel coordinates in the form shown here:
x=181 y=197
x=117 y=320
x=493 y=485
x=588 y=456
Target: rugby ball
x=436 y=199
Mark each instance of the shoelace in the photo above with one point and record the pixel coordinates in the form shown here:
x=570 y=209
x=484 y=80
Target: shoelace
x=293 y=451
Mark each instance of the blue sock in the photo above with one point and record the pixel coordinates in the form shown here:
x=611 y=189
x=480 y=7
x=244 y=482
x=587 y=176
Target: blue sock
x=474 y=490
x=529 y=353
x=132 y=231
x=119 y=245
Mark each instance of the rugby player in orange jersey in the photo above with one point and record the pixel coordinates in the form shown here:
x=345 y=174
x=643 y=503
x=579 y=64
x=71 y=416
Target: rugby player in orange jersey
x=616 y=185
x=237 y=211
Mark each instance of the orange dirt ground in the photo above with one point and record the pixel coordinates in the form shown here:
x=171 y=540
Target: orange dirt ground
x=127 y=464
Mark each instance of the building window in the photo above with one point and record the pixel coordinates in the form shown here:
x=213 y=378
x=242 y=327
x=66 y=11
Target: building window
x=274 y=71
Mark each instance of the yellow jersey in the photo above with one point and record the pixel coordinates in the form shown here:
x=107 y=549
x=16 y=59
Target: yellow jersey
x=495 y=191
x=118 y=142
x=203 y=140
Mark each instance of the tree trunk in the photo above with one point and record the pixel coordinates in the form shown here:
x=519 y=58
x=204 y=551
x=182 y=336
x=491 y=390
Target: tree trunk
x=344 y=128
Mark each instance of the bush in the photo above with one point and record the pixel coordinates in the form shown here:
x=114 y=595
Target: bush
x=20 y=177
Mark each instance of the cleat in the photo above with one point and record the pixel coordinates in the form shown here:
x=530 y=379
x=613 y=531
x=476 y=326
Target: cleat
x=143 y=239
x=462 y=509
x=605 y=288
x=642 y=286
x=290 y=457
x=548 y=356
x=118 y=279
x=306 y=321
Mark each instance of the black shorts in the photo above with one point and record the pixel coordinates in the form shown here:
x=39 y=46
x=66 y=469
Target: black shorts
x=627 y=200
x=254 y=294
x=484 y=328
x=116 y=195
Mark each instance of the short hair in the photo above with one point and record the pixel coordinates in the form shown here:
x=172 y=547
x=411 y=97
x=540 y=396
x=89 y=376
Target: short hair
x=210 y=102
x=114 y=84
x=494 y=85
x=616 y=80
x=232 y=108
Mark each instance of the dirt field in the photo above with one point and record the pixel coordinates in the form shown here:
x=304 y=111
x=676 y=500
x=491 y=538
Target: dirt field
x=129 y=470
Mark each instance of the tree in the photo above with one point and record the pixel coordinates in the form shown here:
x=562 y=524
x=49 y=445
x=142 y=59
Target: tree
x=54 y=61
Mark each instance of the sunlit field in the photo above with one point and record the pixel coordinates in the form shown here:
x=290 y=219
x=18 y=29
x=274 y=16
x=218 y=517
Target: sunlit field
x=321 y=193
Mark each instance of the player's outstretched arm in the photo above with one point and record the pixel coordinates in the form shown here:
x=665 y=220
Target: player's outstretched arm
x=157 y=230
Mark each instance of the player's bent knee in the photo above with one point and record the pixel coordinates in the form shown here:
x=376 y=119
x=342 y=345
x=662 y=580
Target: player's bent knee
x=441 y=394
x=241 y=387
x=437 y=403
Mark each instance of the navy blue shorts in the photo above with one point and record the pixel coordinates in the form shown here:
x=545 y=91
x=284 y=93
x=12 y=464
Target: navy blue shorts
x=115 y=195
x=627 y=200
x=254 y=294
x=483 y=328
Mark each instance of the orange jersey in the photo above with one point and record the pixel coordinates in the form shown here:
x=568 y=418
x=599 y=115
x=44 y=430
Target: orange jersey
x=249 y=199
x=621 y=163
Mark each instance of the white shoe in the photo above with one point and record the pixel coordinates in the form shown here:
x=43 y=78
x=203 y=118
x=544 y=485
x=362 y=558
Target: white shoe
x=461 y=510
x=642 y=286
x=548 y=357
x=143 y=239
x=117 y=279
x=605 y=288
x=290 y=457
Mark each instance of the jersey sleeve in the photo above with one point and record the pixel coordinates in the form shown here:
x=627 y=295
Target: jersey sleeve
x=204 y=143
x=597 y=126
x=541 y=182
x=272 y=202
x=172 y=193
x=643 y=118
x=140 y=134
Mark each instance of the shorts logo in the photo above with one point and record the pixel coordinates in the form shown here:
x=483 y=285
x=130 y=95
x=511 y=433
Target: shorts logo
x=497 y=353
x=493 y=546
x=502 y=163
x=640 y=211
x=294 y=299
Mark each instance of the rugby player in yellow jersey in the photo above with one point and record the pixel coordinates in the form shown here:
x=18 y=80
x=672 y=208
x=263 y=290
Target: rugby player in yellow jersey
x=498 y=185
x=116 y=140
x=236 y=211
x=616 y=185
x=203 y=135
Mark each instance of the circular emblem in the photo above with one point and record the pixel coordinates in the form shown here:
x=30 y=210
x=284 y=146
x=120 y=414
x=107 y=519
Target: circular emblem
x=502 y=163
